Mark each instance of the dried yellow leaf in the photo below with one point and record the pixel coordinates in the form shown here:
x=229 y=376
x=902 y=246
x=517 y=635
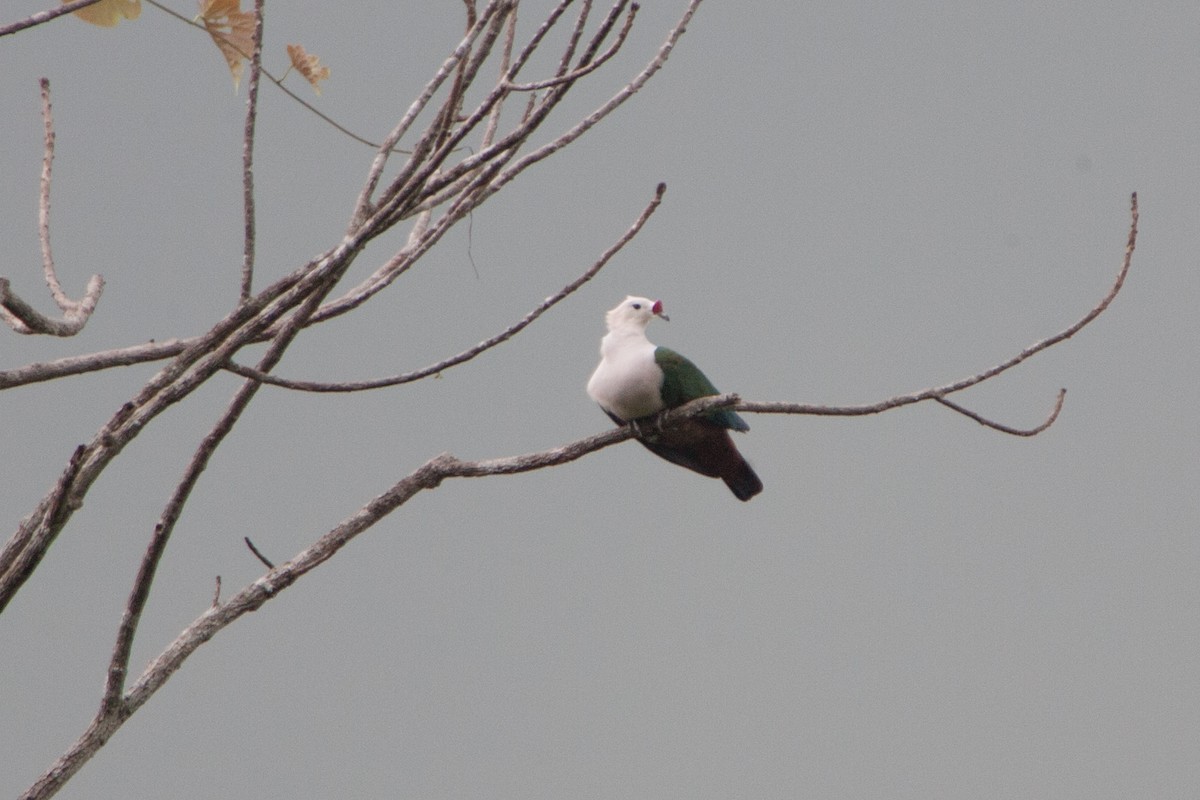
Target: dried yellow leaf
x=232 y=30
x=308 y=65
x=108 y=13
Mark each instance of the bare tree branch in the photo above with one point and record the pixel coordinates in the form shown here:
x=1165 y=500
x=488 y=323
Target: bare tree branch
x=478 y=194
x=92 y=362
x=938 y=392
x=18 y=314
x=258 y=553
x=45 y=16
x=395 y=204
x=586 y=68
x=590 y=121
x=155 y=351
x=987 y=423
x=162 y=533
x=24 y=551
x=119 y=663
x=363 y=206
x=190 y=369
x=248 y=214
x=24 y=318
x=468 y=354
x=506 y=54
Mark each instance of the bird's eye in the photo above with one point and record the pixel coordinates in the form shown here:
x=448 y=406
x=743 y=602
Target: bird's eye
x=637 y=306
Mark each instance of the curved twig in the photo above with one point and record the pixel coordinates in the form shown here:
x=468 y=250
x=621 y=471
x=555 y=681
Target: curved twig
x=582 y=127
x=965 y=383
x=471 y=352
x=18 y=314
x=363 y=206
x=258 y=553
x=987 y=423
x=579 y=72
x=25 y=319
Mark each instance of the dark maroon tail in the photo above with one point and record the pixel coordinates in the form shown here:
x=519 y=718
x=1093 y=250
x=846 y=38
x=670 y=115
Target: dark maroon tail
x=742 y=481
x=700 y=445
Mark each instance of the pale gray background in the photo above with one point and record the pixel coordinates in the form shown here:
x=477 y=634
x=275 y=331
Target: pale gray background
x=864 y=200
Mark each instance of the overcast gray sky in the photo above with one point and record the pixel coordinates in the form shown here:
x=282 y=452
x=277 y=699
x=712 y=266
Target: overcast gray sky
x=864 y=200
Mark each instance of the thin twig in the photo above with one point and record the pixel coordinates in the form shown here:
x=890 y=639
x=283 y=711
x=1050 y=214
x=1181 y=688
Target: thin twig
x=91 y=362
x=45 y=16
x=60 y=297
x=487 y=344
x=419 y=172
x=564 y=63
x=982 y=420
x=363 y=206
x=174 y=382
x=113 y=694
x=631 y=88
x=18 y=314
x=584 y=70
x=510 y=37
x=248 y=214
x=439 y=141
x=614 y=13
x=257 y=553
x=436 y=181
x=939 y=392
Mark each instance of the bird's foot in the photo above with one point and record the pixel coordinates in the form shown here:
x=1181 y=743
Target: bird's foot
x=647 y=428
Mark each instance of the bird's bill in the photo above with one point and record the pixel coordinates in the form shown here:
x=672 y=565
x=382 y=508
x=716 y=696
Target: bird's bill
x=657 y=309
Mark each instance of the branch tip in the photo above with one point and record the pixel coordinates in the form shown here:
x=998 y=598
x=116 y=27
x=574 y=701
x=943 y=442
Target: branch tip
x=257 y=553
x=996 y=426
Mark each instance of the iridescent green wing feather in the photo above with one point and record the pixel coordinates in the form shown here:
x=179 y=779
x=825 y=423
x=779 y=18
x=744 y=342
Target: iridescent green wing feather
x=683 y=381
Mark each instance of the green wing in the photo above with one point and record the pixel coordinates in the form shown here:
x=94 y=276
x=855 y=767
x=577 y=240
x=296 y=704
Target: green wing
x=683 y=381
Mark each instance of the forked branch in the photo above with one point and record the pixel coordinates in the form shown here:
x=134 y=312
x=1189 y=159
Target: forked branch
x=938 y=393
x=471 y=352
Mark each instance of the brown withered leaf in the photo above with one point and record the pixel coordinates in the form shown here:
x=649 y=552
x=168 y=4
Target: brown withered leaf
x=308 y=65
x=108 y=13
x=232 y=30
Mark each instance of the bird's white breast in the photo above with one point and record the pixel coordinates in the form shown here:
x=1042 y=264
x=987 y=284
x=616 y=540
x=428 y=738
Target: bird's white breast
x=627 y=382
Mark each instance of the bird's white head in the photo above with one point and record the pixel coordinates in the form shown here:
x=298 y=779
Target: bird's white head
x=634 y=312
